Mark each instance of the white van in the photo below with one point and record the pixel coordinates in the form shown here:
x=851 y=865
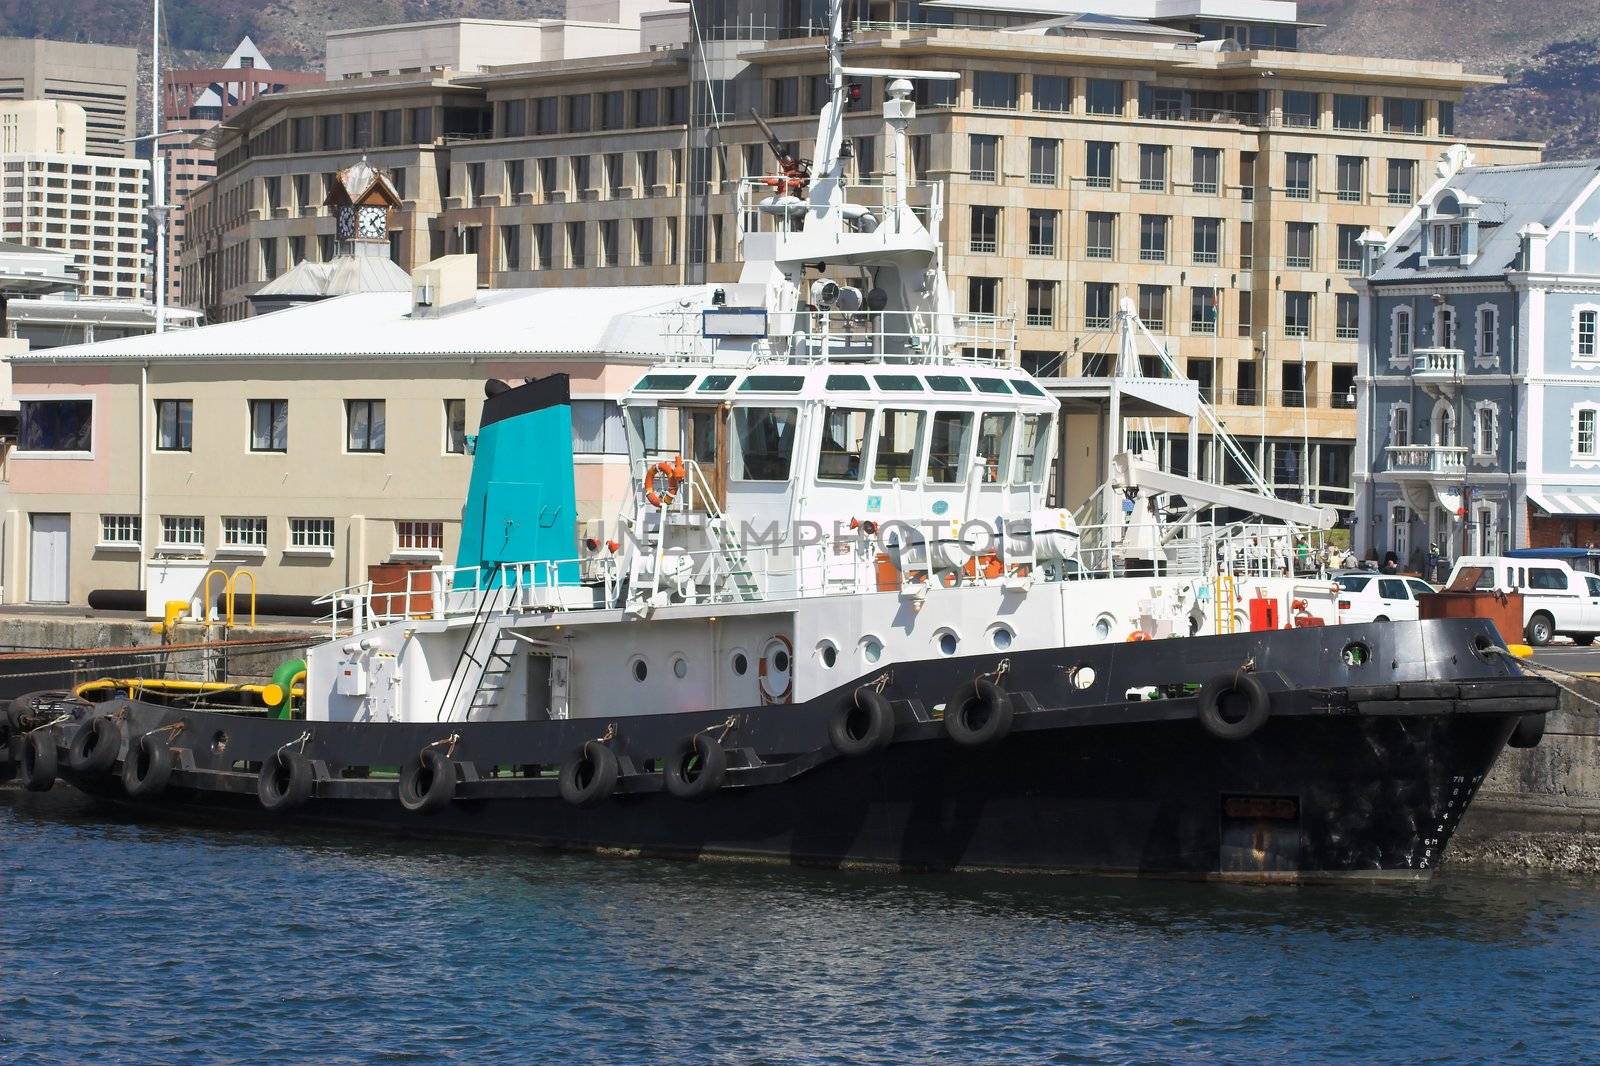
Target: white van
x=1556 y=599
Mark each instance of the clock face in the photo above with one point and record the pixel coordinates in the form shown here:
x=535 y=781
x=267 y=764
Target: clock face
x=347 y=223
x=373 y=221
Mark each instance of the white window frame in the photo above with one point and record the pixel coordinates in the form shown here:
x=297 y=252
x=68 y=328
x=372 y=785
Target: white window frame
x=408 y=529
x=305 y=540
x=1486 y=516
x=1487 y=356
x=94 y=415
x=1403 y=406
x=445 y=444
x=1446 y=327
x=240 y=538
x=168 y=544
x=132 y=541
x=1593 y=359
x=1400 y=530
x=1480 y=410
x=1591 y=458
x=1400 y=357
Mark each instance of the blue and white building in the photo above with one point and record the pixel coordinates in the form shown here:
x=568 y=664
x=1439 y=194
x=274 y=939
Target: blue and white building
x=1479 y=388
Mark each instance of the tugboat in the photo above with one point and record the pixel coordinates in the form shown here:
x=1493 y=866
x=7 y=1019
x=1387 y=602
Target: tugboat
x=840 y=621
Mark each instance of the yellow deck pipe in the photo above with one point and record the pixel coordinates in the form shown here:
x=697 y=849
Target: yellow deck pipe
x=270 y=694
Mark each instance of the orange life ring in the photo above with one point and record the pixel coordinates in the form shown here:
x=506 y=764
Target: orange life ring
x=673 y=472
x=1137 y=635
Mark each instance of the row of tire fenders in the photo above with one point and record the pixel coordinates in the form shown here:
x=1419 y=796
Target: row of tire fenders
x=979 y=714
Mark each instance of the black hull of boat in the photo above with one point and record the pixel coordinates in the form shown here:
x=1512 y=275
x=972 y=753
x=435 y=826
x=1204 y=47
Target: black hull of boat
x=1342 y=780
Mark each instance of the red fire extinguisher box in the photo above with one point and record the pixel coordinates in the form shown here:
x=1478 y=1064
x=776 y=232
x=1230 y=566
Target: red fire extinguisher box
x=1263 y=614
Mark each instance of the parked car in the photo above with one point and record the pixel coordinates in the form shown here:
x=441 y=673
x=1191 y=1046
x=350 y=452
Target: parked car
x=1556 y=599
x=1371 y=597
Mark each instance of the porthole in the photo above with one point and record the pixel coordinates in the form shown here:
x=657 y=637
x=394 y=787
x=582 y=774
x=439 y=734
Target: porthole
x=871 y=649
x=1081 y=676
x=640 y=669
x=1356 y=653
x=780 y=661
x=741 y=663
x=219 y=742
x=828 y=652
x=947 y=641
x=1103 y=626
x=1001 y=637
x=680 y=667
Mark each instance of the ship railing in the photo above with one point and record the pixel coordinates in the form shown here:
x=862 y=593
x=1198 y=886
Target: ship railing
x=762 y=204
x=835 y=335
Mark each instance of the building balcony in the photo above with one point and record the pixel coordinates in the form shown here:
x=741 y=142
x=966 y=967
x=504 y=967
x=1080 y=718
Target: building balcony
x=1437 y=370
x=1439 y=462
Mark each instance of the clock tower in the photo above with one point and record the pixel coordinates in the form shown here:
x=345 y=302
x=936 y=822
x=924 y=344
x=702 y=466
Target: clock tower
x=360 y=199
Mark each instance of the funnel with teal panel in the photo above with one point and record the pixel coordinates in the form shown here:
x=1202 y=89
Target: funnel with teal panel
x=521 y=505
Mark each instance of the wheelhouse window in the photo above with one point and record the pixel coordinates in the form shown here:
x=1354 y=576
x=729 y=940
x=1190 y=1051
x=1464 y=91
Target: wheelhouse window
x=844 y=444
x=55 y=426
x=994 y=446
x=1033 y=450
x=948 y=448
x=764 y=443
x=364 y=425
x=899 y=438
x=174 y=425
x=269 y=425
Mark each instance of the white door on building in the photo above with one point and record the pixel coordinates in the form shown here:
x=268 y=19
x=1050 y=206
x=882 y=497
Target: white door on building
x=48 y=548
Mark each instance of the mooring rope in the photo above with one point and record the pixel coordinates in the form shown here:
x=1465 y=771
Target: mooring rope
x=1545 y=670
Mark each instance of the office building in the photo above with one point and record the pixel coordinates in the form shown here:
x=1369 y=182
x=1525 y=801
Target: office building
x=101 y=79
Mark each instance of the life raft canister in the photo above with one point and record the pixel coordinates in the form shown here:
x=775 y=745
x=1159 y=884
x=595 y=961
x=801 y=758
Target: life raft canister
x=673 y=472
x=775 y=671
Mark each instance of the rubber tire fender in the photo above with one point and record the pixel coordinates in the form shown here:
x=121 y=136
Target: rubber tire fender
x=1528 y=732
x=981 y=696
x=436 y=770
x=1258 y=705
x=37 y=767
x=713 y=767
x=863 y=725
x=285 y=781
x=590 y=775
x=148 y=766
x=95 y=746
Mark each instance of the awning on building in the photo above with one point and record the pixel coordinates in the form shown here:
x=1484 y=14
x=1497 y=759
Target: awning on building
x=1567 y=504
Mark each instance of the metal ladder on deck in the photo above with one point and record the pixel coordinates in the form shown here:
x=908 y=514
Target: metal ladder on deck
x=733 y=557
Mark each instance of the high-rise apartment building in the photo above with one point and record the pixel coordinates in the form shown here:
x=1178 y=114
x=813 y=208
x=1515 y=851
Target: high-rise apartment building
x=1191 y=162
x=68 y=200
x=102 y=79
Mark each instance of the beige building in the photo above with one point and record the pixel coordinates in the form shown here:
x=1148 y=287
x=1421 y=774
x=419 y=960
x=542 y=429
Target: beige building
x=1222 y=189
x=102 y=79
x=54 y=195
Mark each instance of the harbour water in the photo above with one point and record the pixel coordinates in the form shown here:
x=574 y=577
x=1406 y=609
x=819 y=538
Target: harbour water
x=122 y=941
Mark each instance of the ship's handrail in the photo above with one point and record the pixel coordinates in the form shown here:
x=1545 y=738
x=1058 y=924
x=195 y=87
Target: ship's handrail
x=759 y=201
x=834 y=335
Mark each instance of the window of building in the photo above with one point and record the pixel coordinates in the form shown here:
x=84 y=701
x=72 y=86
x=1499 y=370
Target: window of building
x=1044 y=161
x=1585 y=328
x=646 y=107
x=1300 y=246
x=418 y=537
x=1153 y=307
x=1447 y=118
x=984 y=233
x=984 y=159
x=331 y=127
x=1485 y=429
x=1042 y=231
x=610 y=243
x=269 y=425
x=1402 y=337
x=1246 y=314
x=597 y=428
x=1488 y=334
x=1051 y=93
x=995 y=90
x=643 y=241
x=1041 y=303
x=1300 y=109
x=1207 y=241
x=1247 y=245
x=55 y=426
x=1447 y=239
x=121 y=531
x=1352 y=178
x=1098 y=299
x=576 y=253
x=455 y=427
x=1350 y=248
x=1247 y=391
x=1298 y=176
x=543 y=241
x=578 y=113
x=1153 y=238
x=1402 y=116
x=613 y=110
x=1402 y=182
x=1350 y=112
x=1102 y=235
x=1207 y=171
x=983 y=295
x=1203 y=311
x=1100 y=165
x=364 y=425
x=1347 y=326
x=1444 y=327
x=1153 y=168
x=311 y=533
x=244 y=532
x=1247 y=175
x=1103 y=96
x=174 y=425
x=1584 y=443
x=183 y=531
x=1297 y=314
